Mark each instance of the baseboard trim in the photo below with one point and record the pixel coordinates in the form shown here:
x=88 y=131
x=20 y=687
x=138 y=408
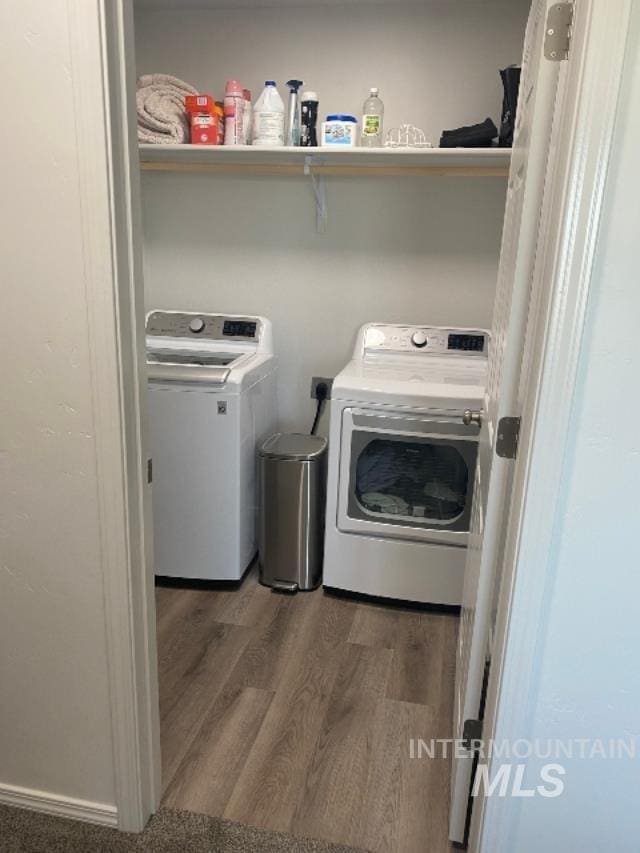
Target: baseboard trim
x=55 y=804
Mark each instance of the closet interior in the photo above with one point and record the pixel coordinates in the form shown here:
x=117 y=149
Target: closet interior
x=297 y=712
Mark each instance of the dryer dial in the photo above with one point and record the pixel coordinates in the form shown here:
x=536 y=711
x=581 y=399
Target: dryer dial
x=419 y=339
x=196 y=325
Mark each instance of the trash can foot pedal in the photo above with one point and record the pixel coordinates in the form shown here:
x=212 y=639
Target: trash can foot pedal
x=284 y=586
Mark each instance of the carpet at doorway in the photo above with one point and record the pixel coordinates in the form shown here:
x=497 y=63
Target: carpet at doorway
x=168 y=831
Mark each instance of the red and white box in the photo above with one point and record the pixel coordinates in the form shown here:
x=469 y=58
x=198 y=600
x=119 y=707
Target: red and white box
x=203 y=118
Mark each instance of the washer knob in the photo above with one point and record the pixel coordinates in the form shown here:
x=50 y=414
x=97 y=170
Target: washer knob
x=419 y=339
x=196 y=325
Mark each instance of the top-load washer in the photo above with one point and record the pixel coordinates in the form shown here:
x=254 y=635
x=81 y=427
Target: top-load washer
x=402 y=458
x=212 y=401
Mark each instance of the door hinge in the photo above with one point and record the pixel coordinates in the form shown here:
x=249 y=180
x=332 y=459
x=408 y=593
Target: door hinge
x=149 y=470
x=557 y=39
x=471 y=733
x=507 y=439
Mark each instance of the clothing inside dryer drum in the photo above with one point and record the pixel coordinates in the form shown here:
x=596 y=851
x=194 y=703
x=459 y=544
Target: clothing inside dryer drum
x=412 y=479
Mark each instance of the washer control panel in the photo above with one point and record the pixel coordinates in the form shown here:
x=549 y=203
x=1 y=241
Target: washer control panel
x=212 y=327
x=427 y=340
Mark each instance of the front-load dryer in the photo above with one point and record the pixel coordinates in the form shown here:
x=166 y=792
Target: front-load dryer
x=402 y=462
x=212 y=401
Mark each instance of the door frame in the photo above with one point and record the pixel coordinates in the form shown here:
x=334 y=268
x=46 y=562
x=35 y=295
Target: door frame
x=551 y=360
x=103 y=61
x=118 y=362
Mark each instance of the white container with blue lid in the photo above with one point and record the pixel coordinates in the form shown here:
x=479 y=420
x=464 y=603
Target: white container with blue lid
x=340 y=130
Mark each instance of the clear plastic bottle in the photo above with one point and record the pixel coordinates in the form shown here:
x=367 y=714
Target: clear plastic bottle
x=372 y=121
x=268 y=117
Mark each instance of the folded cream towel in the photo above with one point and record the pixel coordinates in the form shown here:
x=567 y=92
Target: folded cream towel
x=161 y=114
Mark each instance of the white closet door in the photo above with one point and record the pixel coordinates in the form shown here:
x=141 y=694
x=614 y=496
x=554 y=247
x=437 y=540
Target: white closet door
x=532 y=154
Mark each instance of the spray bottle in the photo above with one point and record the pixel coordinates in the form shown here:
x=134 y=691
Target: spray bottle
x=292 y=135
x=233 y=113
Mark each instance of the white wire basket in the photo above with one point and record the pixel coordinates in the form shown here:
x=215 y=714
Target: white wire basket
x=406 y=136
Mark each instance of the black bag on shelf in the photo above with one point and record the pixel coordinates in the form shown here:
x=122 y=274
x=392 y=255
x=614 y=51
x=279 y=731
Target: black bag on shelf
x=473 y=136
x=511 y=83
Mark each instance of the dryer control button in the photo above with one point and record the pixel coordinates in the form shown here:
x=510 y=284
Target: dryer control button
x=419 y=339
x=197 y=324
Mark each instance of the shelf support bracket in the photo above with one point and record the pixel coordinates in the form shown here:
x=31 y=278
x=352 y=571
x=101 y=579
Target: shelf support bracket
x=319 y=187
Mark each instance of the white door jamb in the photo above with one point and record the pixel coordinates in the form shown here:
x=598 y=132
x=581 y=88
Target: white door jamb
x=101 y=33
x=563 y=281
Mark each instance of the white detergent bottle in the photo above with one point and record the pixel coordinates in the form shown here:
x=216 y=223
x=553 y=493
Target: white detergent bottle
x=372 y=118
x=268 y=117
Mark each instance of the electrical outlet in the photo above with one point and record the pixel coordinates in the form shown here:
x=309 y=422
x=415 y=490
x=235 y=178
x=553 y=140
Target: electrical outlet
x=315 y=381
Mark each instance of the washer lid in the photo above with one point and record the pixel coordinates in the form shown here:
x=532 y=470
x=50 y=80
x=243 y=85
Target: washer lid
x=199 y=359
x=293 y=445
x=194 y=367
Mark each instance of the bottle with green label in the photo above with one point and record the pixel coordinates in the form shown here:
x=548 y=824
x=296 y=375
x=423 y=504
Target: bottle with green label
x=372 y=116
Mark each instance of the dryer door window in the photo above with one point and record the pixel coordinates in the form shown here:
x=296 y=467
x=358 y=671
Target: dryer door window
x=407 y=477
x=416 y=481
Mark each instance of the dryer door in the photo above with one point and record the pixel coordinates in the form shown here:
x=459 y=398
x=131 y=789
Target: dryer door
x=407 y=476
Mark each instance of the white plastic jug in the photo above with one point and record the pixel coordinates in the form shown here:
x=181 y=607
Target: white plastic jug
x=268 y=117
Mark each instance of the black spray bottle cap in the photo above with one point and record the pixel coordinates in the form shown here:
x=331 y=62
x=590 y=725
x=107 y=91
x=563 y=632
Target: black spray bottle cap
x=294 y=85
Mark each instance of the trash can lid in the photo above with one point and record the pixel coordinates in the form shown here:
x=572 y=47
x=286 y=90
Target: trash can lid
x=293 y=445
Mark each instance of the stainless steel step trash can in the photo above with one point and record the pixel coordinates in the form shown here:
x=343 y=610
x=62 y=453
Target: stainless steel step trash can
x=292 y=507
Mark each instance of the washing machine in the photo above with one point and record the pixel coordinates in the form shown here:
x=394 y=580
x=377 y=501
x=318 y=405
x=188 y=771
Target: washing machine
x=402 y=455
x=212 y=401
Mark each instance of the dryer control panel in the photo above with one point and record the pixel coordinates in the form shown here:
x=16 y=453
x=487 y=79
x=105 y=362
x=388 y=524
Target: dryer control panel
x=426 y=340
x=211 y=327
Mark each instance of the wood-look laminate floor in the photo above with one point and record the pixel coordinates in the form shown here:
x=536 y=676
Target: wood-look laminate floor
x=294 y=713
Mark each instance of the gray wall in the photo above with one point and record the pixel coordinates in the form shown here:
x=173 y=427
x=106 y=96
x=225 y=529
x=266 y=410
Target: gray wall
x=423 y=251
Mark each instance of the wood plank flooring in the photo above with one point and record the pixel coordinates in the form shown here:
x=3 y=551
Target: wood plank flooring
x=294 y=713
